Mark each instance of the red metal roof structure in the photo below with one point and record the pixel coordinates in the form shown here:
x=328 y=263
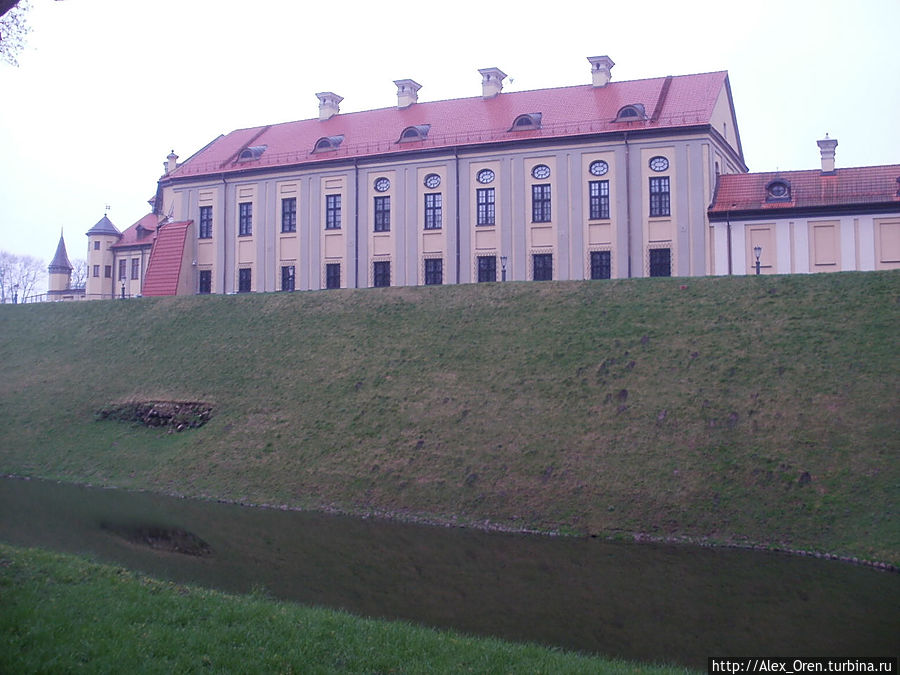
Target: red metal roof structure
x=164 y=267
x=864 y=188
x=139 y=234
x=668 y=102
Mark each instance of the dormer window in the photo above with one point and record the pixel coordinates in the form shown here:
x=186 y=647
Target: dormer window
x=778 y=191
x=251 y=153
x=414 y=133
x=631 y=113
x=526 y=122
x=328 y=143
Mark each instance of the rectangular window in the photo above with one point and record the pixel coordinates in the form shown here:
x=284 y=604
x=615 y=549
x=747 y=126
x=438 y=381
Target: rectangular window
x=96 y=271
x=600 y=265
x=540 y=203
x=434 y=271
x=487 y=268
x=289 y=214
x=287 y=277
x=485 y=206
x=543 y=266
x=333 y=214
x=245 y=277
x=599 y=199
x=333 y=275
x=382 y=273
x=206 y=281
x=660 y=262
x=659 y=197
x=121 y=270
x=245 y=219
x=433 y=211
x=107 y=271
x=135 y=268
x=96 y=245
x=205 y=231
x=382 y=214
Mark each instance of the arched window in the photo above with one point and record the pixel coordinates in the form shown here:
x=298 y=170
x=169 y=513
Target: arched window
x=251 y=153
x=328 y=143
x=417 y=132
x=631 y=113
x=526 y=122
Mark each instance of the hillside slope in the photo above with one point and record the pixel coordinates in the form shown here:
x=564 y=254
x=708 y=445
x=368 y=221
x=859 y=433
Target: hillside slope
x=748 y=409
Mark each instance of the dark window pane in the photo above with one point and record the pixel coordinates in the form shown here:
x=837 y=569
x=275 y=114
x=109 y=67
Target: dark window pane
x=543 y=266
x=205 y=230
x=660 y=262
x=486 y=212
x=659 y=197
x=382 y=273
x=600 y=265
x=540 y=203
x=599 y=199
x=434 y=271
x=332 y=212
x=245 y=219
x=487 y=268
x=287 y=277
x=333 y=275
x=244 y=280
x=433 y=215
x=289 y=214
x=383 y=214
x=206 y=281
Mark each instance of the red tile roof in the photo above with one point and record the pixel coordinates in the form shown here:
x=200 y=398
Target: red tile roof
x=864 y=187
x=669 y=102
x=139 y=234
x=164 y=267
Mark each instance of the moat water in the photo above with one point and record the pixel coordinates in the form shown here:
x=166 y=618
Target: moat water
x=646 y=602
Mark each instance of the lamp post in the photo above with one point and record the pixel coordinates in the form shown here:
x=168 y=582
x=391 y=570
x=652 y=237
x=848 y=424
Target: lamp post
x=757 y=251
x=15 y=294
x=123 y=289
x=503 y=267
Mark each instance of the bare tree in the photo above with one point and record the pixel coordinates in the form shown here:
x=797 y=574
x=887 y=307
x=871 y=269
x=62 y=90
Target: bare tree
x=13 y=31
x=19 y=275
x=79 y=273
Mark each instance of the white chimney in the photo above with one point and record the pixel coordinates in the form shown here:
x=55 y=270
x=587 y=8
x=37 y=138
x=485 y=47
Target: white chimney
x=600 y=70
x=407 y=92
x=491 y=82
x=826 y=147
x=171 y=162
x=328 y=104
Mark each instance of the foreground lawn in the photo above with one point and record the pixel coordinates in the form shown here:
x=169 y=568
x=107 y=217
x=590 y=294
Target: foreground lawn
x=64 y=614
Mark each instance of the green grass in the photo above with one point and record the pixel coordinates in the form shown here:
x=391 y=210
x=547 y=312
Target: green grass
x=734 y=410
x=64 y=614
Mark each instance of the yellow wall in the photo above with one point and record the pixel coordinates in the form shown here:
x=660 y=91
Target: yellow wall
x=887 y=243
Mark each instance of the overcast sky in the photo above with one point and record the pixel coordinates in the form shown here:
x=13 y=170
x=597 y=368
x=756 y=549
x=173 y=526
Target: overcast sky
x=106 y=88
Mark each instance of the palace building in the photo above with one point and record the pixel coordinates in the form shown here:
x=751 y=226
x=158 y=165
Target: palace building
x=602 y=180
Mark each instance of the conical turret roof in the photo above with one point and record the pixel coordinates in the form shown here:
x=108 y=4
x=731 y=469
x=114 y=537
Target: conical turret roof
x=60 y=262
x=104 y=226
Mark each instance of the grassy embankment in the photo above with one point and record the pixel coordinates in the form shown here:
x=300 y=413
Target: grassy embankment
x=64 y=614
x=746 y=410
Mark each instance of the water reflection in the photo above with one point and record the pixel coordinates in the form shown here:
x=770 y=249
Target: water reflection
x=646 y=602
